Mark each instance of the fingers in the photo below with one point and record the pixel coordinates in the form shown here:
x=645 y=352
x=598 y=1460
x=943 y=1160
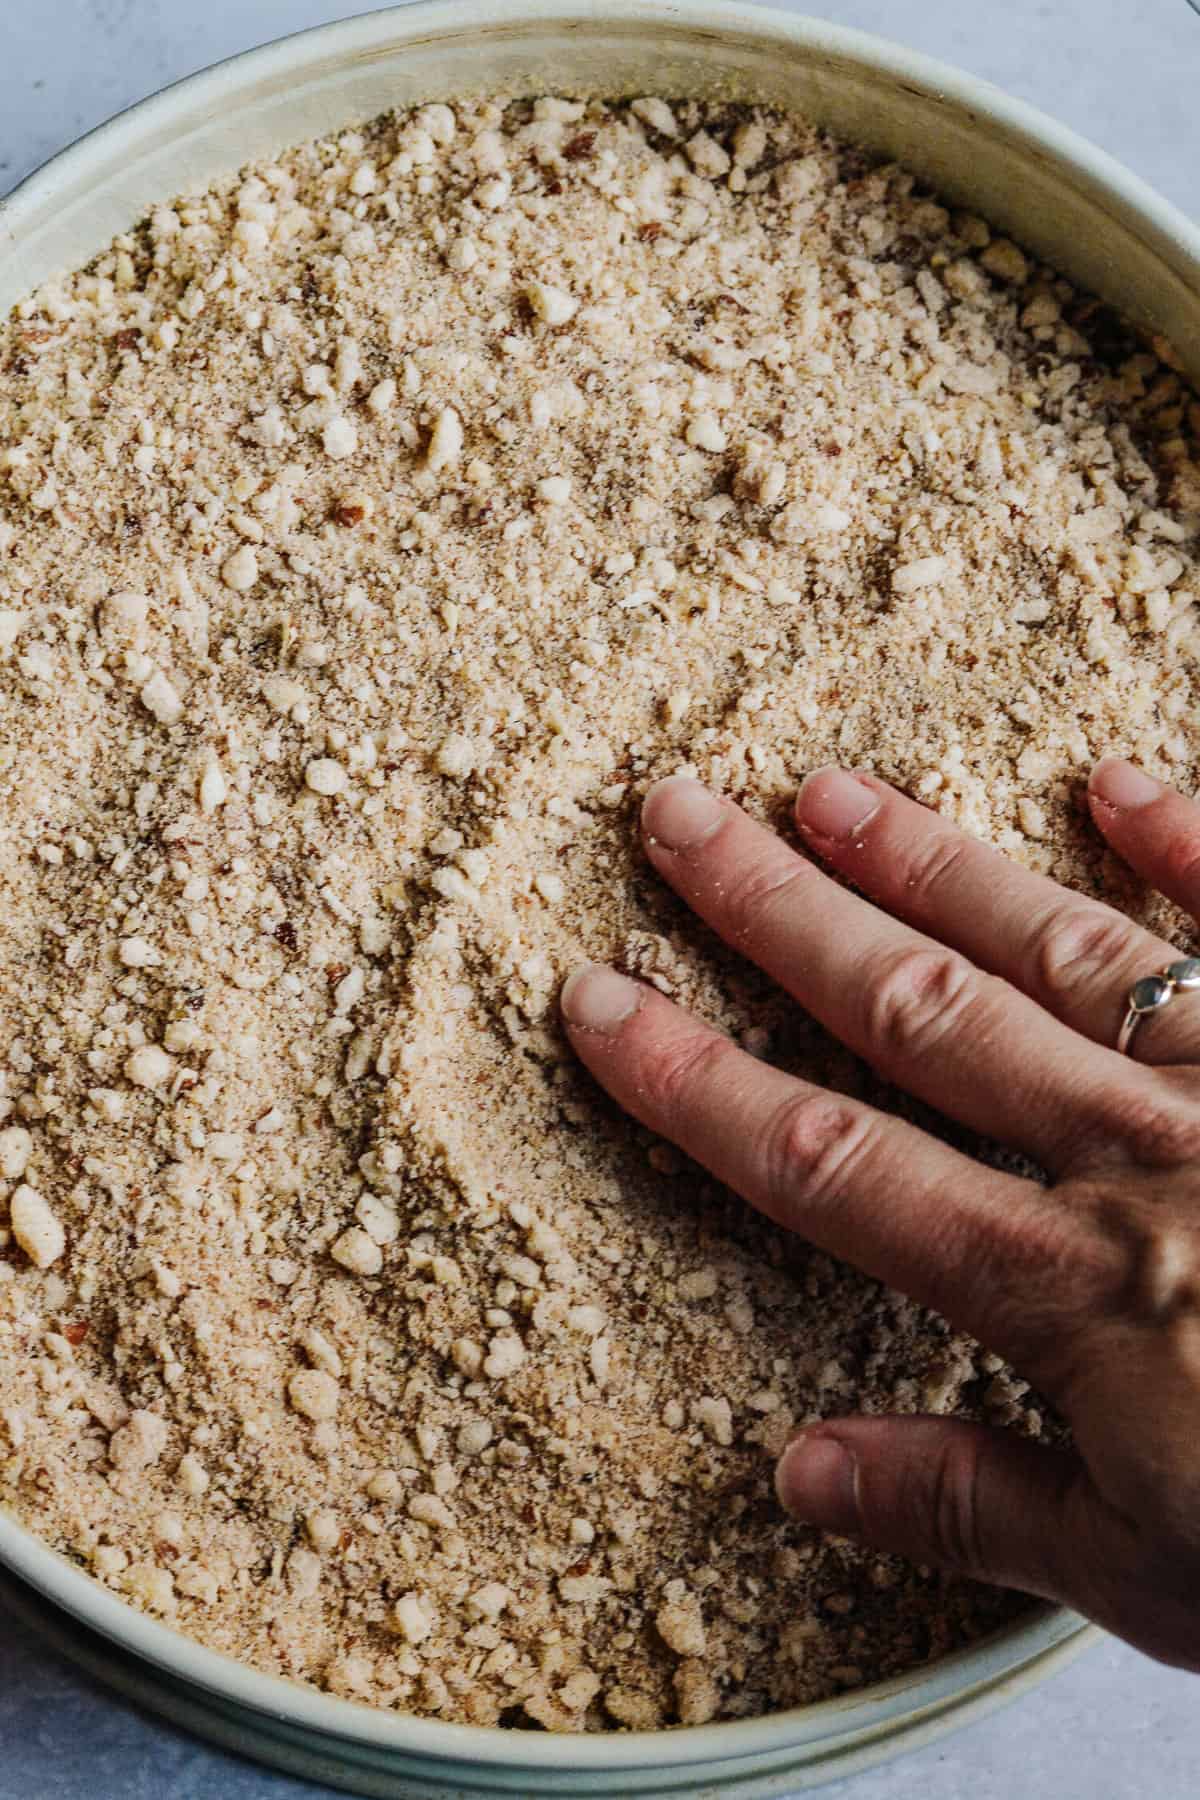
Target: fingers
x=961 y=1237
x=922 y=1015
x=982 y=1502
x=1074 y=956
x=1156 y=830
x=996 y=1507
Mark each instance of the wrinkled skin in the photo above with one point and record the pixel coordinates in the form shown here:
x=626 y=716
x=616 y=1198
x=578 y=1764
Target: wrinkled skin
x=996 y=996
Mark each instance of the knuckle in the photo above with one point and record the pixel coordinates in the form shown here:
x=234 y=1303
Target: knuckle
x=954 y=1504
x=810 y=1148
x=759 y=890
x=1072 y=944
x=915 y=997
x=1159 y=1130
x=681 y=1068
x=1042 y=1276
x=934 y=865
x=1183 y=860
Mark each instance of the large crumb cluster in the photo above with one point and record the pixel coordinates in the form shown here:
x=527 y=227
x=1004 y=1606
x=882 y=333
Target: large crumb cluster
x=374 y=527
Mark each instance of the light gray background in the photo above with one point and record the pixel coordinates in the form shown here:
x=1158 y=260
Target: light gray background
x=1126 y=73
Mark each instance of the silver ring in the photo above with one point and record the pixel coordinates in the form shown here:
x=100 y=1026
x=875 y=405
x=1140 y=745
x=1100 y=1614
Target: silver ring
x=1153 y=992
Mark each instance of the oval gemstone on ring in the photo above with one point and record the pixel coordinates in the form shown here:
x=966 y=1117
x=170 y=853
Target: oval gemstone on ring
x=1148 y=994
x=1185 y=973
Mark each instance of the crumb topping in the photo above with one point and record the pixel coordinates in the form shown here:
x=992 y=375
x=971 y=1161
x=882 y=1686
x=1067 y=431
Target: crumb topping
x=375 y=526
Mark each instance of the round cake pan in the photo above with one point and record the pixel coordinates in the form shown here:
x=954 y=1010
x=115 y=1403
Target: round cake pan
x=1062 y=198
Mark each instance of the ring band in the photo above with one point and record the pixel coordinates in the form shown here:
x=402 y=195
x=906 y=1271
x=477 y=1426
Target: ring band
x=1153 y=992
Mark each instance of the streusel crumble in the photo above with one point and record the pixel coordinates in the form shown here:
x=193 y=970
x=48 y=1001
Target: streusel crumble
x=374 y=527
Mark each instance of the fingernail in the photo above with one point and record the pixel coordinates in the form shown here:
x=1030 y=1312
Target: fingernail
x=596 y=998
x=680 y=813
x=833 y=804
x=1119 y=784
x=815 y=1481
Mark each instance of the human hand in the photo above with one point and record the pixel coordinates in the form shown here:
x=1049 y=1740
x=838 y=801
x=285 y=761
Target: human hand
x=996 y=996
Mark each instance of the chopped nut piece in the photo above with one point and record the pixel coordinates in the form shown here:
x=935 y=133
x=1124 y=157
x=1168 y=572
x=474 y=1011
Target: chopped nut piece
x=489 y=1601
x=429 y=1509
x=749 y=143
x=339 y=438
x=715 y=1416
x=505 y=1355
x=582 y=1590
x=349 y=991
x=136 y=953
x=193 y=1476
x=377 y=1219
x=159 y=697
x=701 y=1284
x=304 y=1572
x=358 y=1252
x=281 y=693
x=138 y=1444
x=125 y=615
x=411 y=1619
x=456 y=757
x=439 y=121
x=1005 y=260
x=109 y=1103
x=475 y=1435
x=149 y=1066
x=707 y=156
x=324 y=1530
x=697 y=1694
x=705 y=432
x=347 y=368
x=580 y=1689
x=446 y=441
x=657 y=115
x=554 y=305
x=321 y=1353
x=152 y=1587
x=681 y=1626
x=35 y=1227
x=213 y=788
x=314 y=1393
x=16 y=1148
x=325 y=776
x=925 y=571
x=467 y=1356
x=240 y=570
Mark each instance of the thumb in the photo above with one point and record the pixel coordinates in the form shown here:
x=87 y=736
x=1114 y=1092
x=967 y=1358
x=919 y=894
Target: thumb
x=982 y=1502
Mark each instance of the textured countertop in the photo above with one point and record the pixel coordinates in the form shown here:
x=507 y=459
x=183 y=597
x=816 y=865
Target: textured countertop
x=1114 y=1726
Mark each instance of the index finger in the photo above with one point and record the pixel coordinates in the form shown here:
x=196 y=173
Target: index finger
x=984 y=1247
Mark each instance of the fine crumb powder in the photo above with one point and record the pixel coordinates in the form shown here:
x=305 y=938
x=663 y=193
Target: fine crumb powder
x=374 y=527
